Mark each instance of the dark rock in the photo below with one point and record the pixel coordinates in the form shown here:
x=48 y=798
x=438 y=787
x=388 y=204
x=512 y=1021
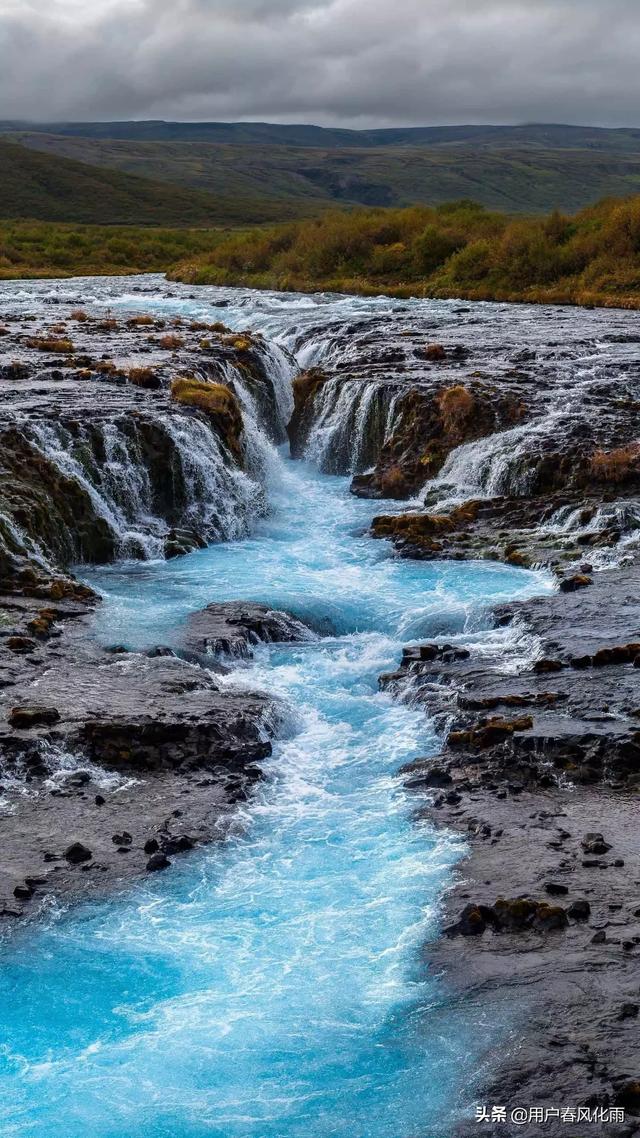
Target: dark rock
x=20 y=644
x=629 y=1011
x=541 y=667
x=158 y=861
x=628 y=1095
x=234 y=628
x=32 y=716
x=516 y=914
x=572 y=584
x=23 y=892
x=77 y=853
x=550 y=917
x=471 y=922
x=556 y=889
x=579 y=910
x=179 y=844
x=151 y=846
x=435 y=777
x=594 y=843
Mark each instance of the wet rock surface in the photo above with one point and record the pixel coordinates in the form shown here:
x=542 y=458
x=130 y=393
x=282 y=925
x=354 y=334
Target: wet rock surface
x=97 y=745
x=233 y=629
x=539 y=771
x=102 y=752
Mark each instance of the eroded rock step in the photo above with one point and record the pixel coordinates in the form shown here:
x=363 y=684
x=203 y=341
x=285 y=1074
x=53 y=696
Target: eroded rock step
x=126 y=436
x=115 y=761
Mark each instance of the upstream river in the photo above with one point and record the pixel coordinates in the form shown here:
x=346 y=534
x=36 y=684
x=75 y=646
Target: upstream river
x=275 y=985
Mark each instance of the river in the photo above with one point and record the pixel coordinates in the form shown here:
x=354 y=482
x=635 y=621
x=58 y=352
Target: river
x=273 y=986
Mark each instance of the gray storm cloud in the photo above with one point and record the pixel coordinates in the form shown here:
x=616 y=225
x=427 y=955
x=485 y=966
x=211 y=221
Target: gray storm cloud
x=351 y=62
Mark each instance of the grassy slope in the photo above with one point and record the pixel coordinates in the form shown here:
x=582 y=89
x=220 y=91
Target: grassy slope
x=460 y=250
x=53 y=188
x=53 y=249
x=520 y=176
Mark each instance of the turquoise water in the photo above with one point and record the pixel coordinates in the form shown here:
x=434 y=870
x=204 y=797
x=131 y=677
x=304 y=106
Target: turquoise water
x=271 y=987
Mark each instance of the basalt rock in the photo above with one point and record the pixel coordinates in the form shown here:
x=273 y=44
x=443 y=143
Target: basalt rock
x=98 y=461
x=509 y=916
x=234 y=628
x=427 y=426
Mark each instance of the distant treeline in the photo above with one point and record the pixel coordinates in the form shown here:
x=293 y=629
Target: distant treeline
x=51 y=249
x=454 y=250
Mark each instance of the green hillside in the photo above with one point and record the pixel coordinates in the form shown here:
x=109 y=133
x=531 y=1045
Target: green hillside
x=48 y=187
x=516 y=169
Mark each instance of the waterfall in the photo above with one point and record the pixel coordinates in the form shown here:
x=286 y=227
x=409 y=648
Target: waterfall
x=503 y=463
x=351 y=421
x=141 y=475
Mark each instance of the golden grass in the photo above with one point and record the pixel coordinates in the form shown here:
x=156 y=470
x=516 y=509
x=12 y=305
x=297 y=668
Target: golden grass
x=456 y=406
x=616 y=465
x=56 y=347
x=217 y=402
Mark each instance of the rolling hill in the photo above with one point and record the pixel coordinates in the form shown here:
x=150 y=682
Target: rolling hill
x=51 y=187
x=262 y=172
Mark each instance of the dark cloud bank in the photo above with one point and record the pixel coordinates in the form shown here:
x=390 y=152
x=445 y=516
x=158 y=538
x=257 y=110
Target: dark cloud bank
x=348 y=62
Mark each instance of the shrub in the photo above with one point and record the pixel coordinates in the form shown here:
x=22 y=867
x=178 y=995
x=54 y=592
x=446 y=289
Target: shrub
x=433 y=247
x=144 y=377
x=214 y=400
x=170 y=342
x=616 y=465
x=57 y=347
x=79 y=315
x=457 y=406
x=142 y=321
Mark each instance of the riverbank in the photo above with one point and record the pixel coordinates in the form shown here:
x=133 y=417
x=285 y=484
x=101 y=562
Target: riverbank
x=458 y=251
x=539 y=771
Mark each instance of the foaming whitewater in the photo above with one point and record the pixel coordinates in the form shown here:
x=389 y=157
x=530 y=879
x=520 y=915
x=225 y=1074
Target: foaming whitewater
x=273 y=986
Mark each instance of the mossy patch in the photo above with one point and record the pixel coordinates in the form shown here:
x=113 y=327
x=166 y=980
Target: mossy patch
x=217 y=402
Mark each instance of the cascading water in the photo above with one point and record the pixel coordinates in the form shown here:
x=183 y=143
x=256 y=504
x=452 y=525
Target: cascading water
x=271 y=987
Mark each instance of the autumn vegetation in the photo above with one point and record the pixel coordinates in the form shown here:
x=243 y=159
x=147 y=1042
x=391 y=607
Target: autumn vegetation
x=53 y=249
x=455 y=250
x=214 y=400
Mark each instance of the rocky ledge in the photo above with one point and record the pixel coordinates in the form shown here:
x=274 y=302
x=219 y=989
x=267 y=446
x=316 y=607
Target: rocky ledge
x=114 y=761
x=135 y=437
x=540 y=771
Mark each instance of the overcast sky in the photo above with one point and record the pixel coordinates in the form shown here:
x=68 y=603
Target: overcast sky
x=346 y=62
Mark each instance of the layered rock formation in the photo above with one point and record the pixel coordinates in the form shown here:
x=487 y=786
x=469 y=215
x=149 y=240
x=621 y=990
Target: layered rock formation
x=130 y=437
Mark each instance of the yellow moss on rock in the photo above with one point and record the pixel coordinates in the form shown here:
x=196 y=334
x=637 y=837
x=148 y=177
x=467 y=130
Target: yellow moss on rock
x=214 y=400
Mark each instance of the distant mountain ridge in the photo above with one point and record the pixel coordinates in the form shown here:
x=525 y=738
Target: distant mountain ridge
x=555 y=135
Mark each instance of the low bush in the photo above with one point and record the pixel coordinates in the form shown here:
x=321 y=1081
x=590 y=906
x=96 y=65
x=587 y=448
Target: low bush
x=56 y=347
x=214 y=400
x=616 y=465
x=454 y=250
